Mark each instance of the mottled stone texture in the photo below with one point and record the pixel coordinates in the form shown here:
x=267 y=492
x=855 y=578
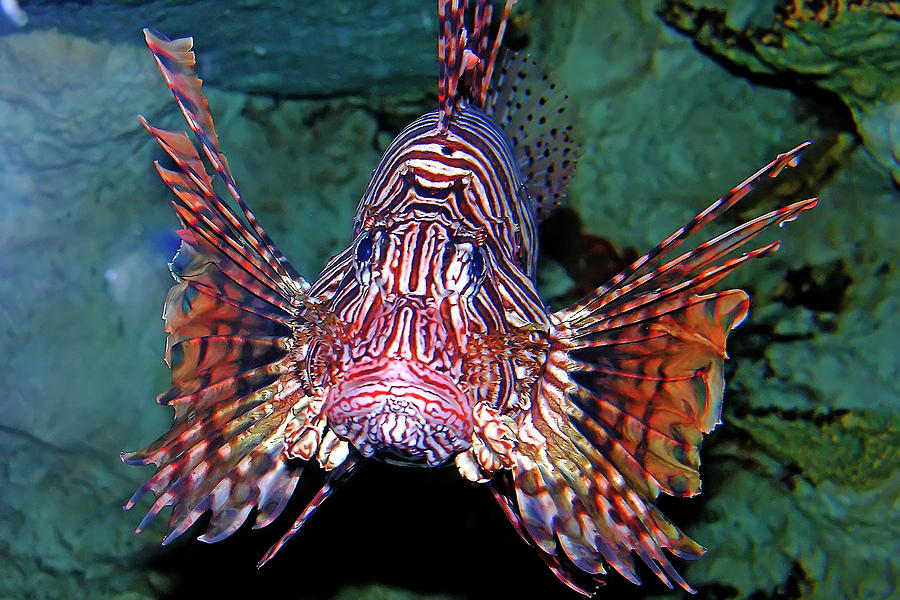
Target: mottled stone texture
x=847 y=48
x=801 y=480
x=276 y=47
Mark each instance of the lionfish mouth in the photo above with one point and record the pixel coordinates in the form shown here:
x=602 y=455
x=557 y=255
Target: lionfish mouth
x=400 y=412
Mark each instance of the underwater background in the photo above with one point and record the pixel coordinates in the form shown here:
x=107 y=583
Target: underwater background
x=677 y=101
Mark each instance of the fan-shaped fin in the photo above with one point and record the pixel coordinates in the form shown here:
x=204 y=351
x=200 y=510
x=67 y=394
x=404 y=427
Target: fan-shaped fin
x=176 y=63
x=632 y=382
x=536 y=115
x=229 y=319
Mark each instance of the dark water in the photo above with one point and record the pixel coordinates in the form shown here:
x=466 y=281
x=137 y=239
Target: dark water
x=676 y=102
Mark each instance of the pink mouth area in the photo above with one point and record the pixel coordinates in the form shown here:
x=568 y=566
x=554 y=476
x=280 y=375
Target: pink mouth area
x=401 y=412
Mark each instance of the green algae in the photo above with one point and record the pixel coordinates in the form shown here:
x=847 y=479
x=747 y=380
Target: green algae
x=858 y=450
x=771 y=535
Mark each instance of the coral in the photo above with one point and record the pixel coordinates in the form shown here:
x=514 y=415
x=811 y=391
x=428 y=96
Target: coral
x=770 y=533
x=62 y=534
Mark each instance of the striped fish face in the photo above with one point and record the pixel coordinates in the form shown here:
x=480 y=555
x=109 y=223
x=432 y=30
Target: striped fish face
x=423 y=330
x=419 y=258
x=399 y=397
x=466 y=174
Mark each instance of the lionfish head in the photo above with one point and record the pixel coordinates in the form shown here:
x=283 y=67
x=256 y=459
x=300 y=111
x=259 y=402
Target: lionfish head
x=402 y=393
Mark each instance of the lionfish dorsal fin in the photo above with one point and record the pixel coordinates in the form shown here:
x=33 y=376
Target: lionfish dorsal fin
x=466 y=57
x=514 y=90
x=537 y=116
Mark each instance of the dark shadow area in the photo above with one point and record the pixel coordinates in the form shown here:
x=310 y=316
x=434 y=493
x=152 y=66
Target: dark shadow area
x=425 y=530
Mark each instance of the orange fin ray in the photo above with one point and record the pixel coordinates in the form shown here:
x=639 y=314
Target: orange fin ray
x=197 y=363
x=642 y=308
x=239 y=467
x=199 y=212
x=692 y=270
x=645 y=404
x=466 y=64
x=336 y=476
x=200 y=262
x=176 y=62
x=649 y=261
x=209 y=215
x=633 y=380
x=195 y=309
x=205 y=415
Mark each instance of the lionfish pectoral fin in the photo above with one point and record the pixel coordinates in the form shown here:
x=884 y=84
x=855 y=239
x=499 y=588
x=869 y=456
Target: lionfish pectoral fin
x=632 y=382
x=581 y=580
x=336 y=477
x=176 y=63
x=618 y=418
x=577 y=494
x=229 y=320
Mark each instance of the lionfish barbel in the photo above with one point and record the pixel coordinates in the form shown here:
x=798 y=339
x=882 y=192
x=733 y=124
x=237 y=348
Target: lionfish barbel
x=425 y=340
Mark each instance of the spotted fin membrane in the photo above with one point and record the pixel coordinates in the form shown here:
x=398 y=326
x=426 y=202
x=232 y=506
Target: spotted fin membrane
x=537 y=116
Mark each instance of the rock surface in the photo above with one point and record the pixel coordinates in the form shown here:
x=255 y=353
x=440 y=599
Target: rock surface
x=277 y=47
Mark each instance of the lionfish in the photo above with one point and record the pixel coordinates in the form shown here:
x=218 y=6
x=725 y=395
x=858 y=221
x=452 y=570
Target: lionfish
x=425 y=340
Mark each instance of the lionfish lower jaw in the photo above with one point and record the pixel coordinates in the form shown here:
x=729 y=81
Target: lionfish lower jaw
x=401 y=439
x=400 y=411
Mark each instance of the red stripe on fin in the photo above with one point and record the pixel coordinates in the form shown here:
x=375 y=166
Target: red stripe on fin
x=337 y=476
x=650 y=261
x=236 y=465
x=466 y=62
x=634 y=380
x=693 y=271
x=229 y=320
x=176 y=63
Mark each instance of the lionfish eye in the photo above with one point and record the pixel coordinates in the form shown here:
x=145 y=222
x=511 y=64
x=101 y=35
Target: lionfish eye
x=476 y=266
x=364 y=248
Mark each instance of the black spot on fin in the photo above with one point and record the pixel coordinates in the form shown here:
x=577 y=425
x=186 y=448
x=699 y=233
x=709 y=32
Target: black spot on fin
x=538 y=117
